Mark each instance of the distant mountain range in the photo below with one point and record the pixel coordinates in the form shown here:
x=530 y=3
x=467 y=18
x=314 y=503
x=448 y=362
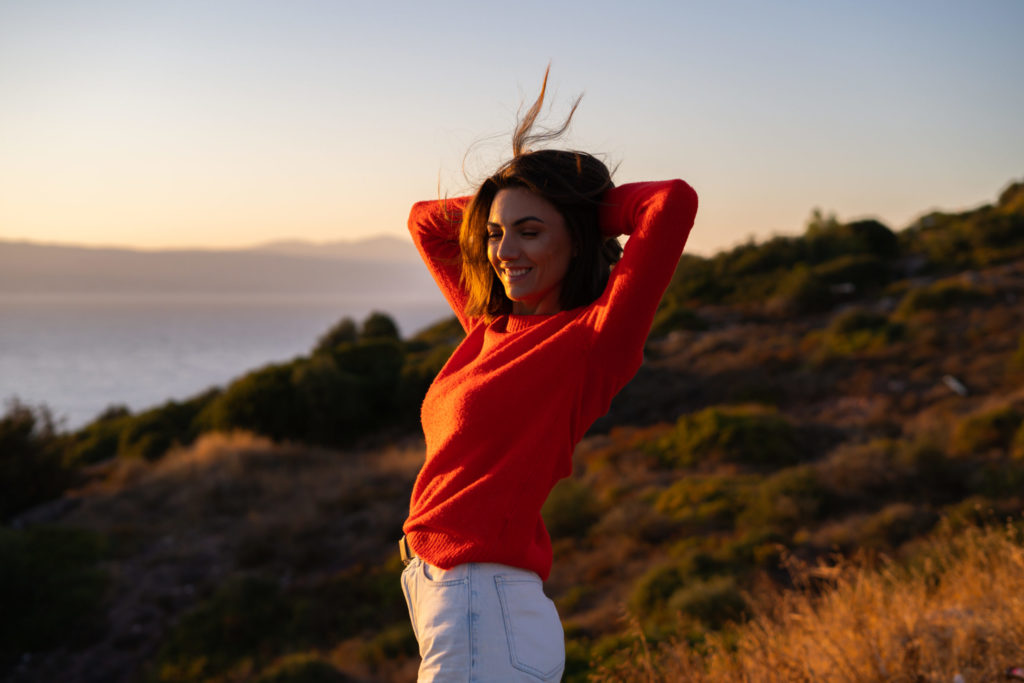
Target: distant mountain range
x=382 y=248
x=372 y=268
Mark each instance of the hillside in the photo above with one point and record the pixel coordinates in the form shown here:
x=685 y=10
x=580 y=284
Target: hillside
x=818 y=420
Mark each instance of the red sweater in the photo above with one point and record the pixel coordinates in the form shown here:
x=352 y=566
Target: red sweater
x=503 y=416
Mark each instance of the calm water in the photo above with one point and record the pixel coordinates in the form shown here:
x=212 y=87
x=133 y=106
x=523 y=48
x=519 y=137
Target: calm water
x=79 y=355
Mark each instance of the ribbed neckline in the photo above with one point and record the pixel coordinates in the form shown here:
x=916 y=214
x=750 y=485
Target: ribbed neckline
x=517 y=323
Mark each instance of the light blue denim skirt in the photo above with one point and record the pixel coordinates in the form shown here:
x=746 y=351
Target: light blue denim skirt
x=483 y=622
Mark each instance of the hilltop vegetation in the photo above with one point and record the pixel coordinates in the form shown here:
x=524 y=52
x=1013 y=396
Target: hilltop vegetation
x=852 y=392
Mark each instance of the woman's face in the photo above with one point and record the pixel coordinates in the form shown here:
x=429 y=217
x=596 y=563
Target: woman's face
x=529 y=248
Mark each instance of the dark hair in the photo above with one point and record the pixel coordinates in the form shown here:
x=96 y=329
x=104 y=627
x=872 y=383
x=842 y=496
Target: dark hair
x=574 y=182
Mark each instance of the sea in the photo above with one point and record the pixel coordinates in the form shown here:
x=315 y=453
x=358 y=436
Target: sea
x=78 y=354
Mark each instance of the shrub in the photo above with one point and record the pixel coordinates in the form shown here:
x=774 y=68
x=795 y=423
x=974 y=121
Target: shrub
x=418 y=373
x=697 y=279
x=149 y=435
x=396 y=640
x=714 y=601
x=876 y=237
x=652 y=590
x=785 y=501
x=50 y=587
x=246 y=617
x=1017 y=360
x=379 y=326
x=864 y=271
x=672 y=318
x=342 y=332
x=940 y=296
x=378 y=365
x=860 y=473
x=859 y=329
x=930 y=469
x=98 y=440
x=995 y=479
x=331 y=401
x=263 y=401
x=987 y=430
x=753 y=435
x=704 y=502
x=31 y=467
x=894 y=524
x=1017 y=448
x=570 y=509
x=445 y=332
x=801 y=291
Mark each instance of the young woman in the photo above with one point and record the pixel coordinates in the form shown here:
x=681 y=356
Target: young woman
x=553 y=332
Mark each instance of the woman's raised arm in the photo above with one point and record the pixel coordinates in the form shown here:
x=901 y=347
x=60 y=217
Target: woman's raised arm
x=658 y=217
x=434 y=226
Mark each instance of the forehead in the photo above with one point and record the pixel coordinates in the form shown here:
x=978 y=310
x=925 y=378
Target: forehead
x=513 y=203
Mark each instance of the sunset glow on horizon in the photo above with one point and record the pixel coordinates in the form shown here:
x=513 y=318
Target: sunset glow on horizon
x=231 y=124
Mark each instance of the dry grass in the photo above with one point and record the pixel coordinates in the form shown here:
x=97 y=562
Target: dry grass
x=959 y=610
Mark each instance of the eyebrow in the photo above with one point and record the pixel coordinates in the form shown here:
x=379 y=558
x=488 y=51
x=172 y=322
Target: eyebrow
x=518 y=221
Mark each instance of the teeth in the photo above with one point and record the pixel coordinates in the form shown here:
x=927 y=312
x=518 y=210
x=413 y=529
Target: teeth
x=515 y=272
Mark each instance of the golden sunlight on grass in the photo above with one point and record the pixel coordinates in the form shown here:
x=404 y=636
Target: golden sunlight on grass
x=957 y=608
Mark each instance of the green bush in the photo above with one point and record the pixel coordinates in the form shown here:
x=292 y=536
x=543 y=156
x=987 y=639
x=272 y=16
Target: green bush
x=753 y=435
x=866 y=272
x=651 y=592
x=51 y=588
x=150 y=434
x=894 y=524
x=445 y=332
x=418 y=372
x=396 y=640
x=1017 y=360
x=379 y=326
x=931 y=472
x=940 y=296
x=784 y=502
x=714 y=601
x=987 y=430
x=996 y=479
x=1017 y=447
x=331 y=400
x=263 y=401
x=31 y=459
x=672 y=318
x=877 y=238
x=342 y=332
x=859 y=329
x=705 y=503
x=98 y=440
x=378 y=365
x=245 y=618
x=570 y=509
x=801 y=291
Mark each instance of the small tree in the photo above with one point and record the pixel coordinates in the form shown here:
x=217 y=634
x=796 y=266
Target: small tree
x=30 y=459
x=379 y=326
x=343 y=332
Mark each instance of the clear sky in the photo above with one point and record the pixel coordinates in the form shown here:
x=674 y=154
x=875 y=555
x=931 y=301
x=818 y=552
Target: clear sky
x=232 y=122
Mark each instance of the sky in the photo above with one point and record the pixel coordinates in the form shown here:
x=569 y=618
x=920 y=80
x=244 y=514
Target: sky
x=229 y=123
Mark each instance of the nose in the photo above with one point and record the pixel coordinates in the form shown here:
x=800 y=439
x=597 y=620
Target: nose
x=508 y=248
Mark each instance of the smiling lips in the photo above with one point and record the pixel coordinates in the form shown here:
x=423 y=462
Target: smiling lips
x=515 y=274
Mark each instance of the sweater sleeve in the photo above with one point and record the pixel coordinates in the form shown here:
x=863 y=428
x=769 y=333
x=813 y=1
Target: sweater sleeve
x=658 y=217
x=434 y=226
